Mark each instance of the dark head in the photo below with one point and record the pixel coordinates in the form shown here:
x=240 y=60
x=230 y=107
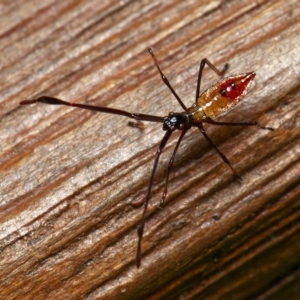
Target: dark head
x=176 y=121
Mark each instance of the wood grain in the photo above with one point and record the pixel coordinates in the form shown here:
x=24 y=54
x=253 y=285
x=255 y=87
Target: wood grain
x=68 y=177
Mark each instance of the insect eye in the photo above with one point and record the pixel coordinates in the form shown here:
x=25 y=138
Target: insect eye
x=233 y=85
x=223 y=92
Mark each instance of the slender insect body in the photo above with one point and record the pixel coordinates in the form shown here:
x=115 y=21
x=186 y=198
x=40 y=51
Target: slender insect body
x=221 y=97
x=217 y=99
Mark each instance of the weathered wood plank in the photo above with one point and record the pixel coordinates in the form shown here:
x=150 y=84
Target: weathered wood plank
x=68 y=177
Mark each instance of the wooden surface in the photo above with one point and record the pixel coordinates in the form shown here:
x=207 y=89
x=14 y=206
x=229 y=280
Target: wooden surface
x=68 y=176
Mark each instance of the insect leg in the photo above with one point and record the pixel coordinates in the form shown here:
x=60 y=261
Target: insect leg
x=170 y=165
x=249 y=123
x=165 y=191
x=147 y=198
x=224 y=158
x=202 y=64
x=166 y=81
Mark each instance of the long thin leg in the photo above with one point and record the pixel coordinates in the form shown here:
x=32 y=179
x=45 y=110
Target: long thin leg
x=166 y=81
x=224 y=158
x=147 y=198
x=249 y=123
x=109 y=110
x=165 y=191
x=202 y=64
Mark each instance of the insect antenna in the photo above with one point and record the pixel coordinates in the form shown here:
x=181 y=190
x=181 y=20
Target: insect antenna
x=109 y=110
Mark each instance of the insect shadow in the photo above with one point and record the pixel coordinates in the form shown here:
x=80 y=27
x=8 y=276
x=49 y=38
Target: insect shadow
x=217 y=99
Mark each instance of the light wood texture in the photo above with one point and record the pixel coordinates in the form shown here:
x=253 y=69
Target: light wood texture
x=68 y=176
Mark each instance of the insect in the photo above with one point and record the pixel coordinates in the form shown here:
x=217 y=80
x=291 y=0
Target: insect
x=219 y=98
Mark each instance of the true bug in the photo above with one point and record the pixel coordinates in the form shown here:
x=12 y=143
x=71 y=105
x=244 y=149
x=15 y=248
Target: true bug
x=217 y=99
